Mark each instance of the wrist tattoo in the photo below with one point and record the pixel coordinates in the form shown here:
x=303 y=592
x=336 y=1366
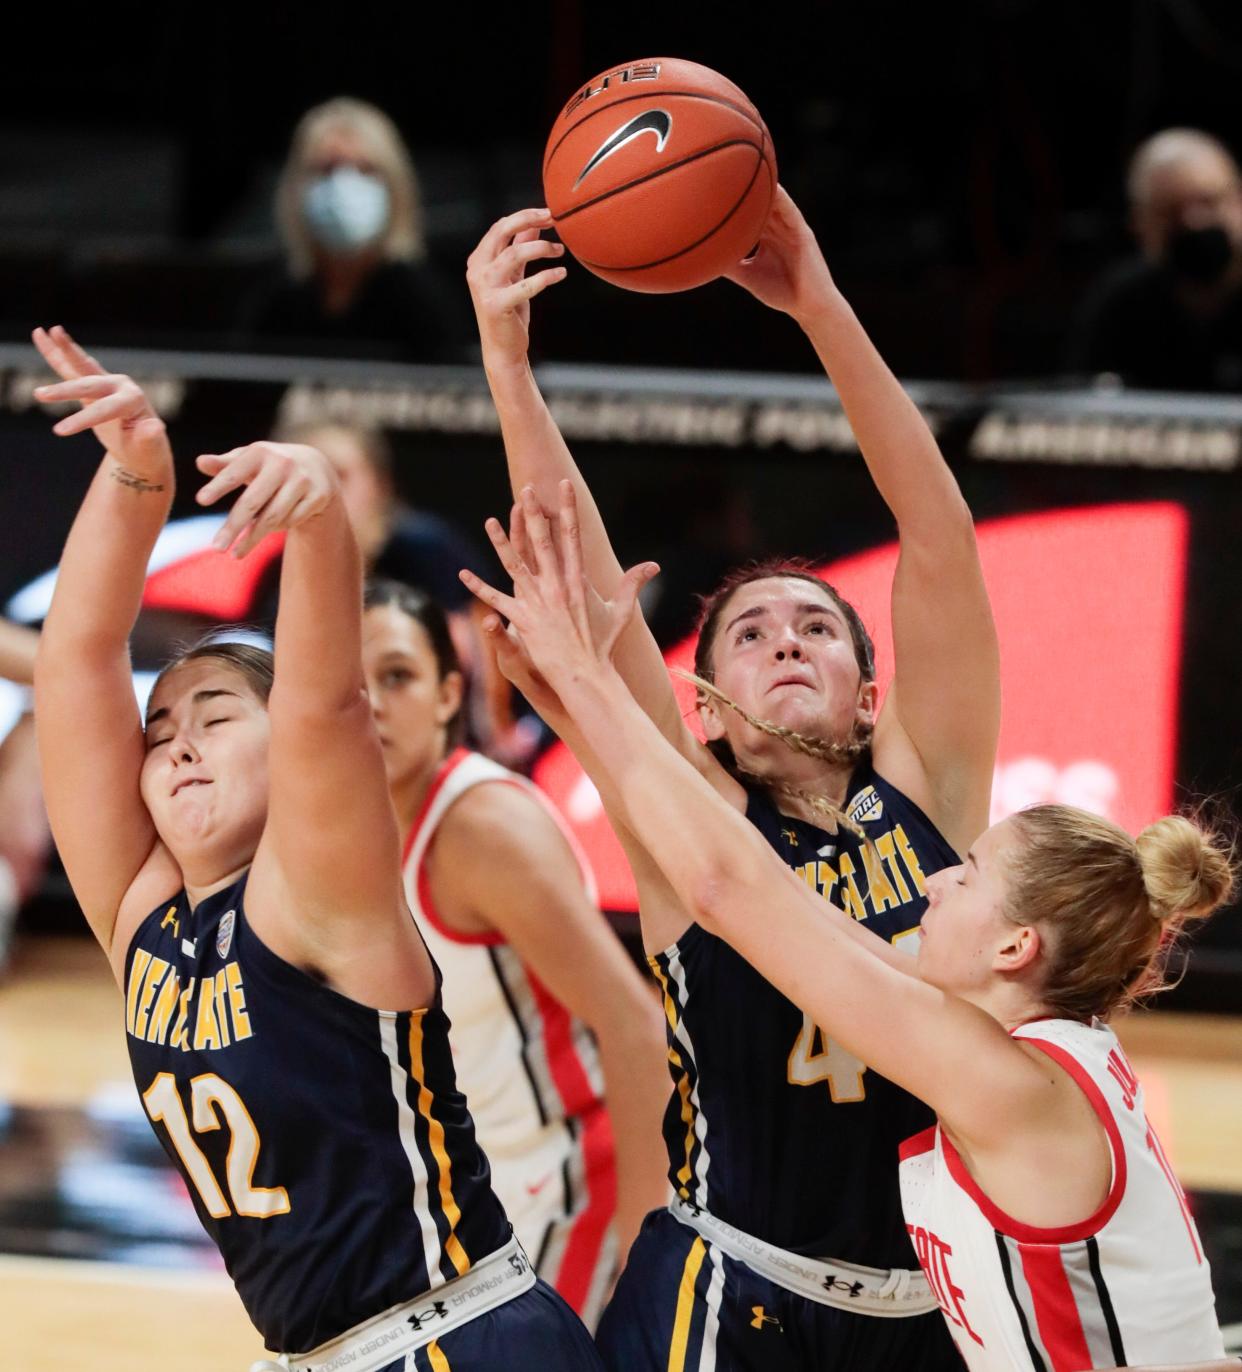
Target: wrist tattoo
x=135 y=482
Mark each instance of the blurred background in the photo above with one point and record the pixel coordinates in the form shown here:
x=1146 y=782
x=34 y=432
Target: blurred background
x=964 y=166
x=1070 y=320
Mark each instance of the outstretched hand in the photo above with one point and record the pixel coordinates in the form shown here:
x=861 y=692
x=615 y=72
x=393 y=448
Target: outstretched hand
x=286 y=485
x=499 y=287
x=788 y=271
x=560 y=630
x=113 y=405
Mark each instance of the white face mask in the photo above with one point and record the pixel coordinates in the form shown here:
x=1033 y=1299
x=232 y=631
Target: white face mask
x=346 y=209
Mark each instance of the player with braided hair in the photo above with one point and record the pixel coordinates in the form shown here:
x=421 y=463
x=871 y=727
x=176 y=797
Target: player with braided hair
x=774 y=1130
x=1043 y=1209
x=825 y=749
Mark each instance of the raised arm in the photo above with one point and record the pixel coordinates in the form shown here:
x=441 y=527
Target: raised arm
x=536 y=451
x=325 y=887
x=936 y=736
x=89 y=730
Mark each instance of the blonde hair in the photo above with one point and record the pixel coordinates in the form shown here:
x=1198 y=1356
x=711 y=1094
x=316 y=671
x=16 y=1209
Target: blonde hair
x=1113 y=905
x=826 y=750
x=404 y=237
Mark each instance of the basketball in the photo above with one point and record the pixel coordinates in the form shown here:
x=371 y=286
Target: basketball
x=659 y=175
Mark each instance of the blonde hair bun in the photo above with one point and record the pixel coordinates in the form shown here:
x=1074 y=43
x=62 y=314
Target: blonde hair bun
x=1187 y=871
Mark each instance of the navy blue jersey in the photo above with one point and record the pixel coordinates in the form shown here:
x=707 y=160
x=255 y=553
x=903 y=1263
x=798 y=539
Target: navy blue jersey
x=325 y=1145
x=773 y=1127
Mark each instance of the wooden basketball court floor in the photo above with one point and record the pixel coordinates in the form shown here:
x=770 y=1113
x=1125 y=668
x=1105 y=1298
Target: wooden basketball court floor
x=102 y=1261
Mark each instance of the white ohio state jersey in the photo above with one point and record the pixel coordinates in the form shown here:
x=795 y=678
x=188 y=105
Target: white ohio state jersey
x=530 y=1071
x=1128 y=1286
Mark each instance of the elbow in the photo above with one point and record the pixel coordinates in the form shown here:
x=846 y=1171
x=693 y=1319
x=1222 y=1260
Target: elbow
x=719 y=892
x=64 y=649
x=945 y=532
x=959 y=521
x=309 y=703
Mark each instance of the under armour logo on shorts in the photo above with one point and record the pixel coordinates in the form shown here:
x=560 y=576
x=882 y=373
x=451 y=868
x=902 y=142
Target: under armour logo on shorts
x=438 y=1311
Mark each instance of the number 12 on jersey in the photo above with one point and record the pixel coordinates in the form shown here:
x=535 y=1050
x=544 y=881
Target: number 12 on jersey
x=211 y=1097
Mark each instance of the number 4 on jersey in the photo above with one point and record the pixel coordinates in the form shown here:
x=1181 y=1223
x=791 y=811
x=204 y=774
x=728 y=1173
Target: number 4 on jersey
x=815 y=1058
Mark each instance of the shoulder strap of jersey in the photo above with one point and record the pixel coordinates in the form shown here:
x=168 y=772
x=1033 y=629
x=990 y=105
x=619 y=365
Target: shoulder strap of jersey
x=1095 y=1052
x=461 y=771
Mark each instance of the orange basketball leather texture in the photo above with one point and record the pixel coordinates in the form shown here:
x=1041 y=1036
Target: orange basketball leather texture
x=659 y=175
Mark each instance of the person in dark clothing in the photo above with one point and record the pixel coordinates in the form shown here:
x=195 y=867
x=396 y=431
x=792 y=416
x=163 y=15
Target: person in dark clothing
x=357 y=280
x=1171 y=319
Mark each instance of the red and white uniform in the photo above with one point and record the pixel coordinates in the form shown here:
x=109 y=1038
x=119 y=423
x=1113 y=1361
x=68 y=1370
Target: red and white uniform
x=1130 y=1285
x=530 y=1071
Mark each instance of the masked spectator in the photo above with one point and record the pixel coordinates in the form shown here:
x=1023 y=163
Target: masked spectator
x=357 y=279
x=1172 y=318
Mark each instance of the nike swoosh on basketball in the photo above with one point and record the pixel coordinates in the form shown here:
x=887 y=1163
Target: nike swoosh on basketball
x=659 y=122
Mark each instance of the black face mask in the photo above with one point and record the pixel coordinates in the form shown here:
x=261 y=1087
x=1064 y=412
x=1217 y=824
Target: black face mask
x=1199 y=255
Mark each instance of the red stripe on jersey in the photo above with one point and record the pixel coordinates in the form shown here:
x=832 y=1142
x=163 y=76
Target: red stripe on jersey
x=1067 y=1233
x=492 y=937
x=1166 y=1167
x=922 y=1142
x=582 y=1248
x=447 y=768
x=585 y=1245
x=1056 y=1313
x=569 y=1073
x=427 y=904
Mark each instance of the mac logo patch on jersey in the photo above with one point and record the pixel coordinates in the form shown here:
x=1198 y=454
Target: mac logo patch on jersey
x=224 y=935
x=865 y=805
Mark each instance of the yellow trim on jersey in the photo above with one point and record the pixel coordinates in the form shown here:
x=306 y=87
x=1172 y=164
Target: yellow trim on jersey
x=435 y=1135
x=685 y=1306
x=670 y=1007
x=685 y=1172
x=435 y=1356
